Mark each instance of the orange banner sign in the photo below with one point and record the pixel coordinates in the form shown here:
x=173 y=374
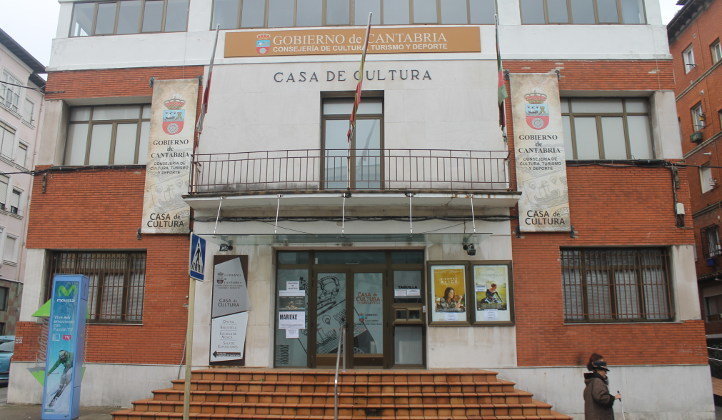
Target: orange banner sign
x=350 y=41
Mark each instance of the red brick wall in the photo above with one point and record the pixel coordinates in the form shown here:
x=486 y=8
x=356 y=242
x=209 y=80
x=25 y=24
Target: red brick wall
x=101 y=210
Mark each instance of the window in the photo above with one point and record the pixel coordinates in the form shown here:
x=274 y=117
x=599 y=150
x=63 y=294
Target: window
x=4 y=292
x=108 y=135
x=706 y=181
x=607 y=128
x=4 y=181
x=710 y=241
x=698 y=117
x=688 y=59
x=716 y=51
x=21 y=156
x=713 y=306
x=10 y=249
x=117 y=282
x=582 y=11
x=233 y=14
x=15 y=201
x=616 y=284
x=7 y=140
x=10 y=91
x=29 y=112
x=364 y=154
x=129 y=17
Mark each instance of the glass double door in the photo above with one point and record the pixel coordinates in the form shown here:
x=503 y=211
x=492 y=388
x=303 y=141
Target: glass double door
x=350 y=300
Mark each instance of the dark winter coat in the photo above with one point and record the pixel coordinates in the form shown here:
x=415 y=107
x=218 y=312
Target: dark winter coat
x=597 y=399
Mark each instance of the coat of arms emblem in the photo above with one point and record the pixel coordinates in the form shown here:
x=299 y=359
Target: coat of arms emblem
x=173 y=116
x=263 y=43
x=537 y=110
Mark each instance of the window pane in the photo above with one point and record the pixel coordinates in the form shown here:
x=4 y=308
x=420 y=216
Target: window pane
x=362 y=9
x=337 y=12
x=367 y=106
x=557 y=11
x=124 y=112
x=79 y=114
x=9 y=252
x=336 y=154
x=564 y=104
x=425 y=11
x=125 y=144
x=309 y=13
x=396 y=12
x=106 y=19
x=408 y=345
x=145 y=113
x=143 y=147
x=637 y=105
x=599 y=304
x=82 y=24
x=100 y=144
x=640 y=138
x=368 y=153
x=532 y=11
x=291 y=351
x=280 y=13
x=613 y=138
x=294 y=257
x=633 y=11
x=8 y=143
x=21 y=155
x=152 y=16
x=225 y=14
x=580 y=105
x=253 y=14
x=482 y=11
x=453 y=11
x=568 y=151
x=129 y=17
x=176 y=15
x=76 y=144
x=582 y=11
x=15 y=199
x=627 y=294
x=111 y=301
x=607 y=11
x=585 y=136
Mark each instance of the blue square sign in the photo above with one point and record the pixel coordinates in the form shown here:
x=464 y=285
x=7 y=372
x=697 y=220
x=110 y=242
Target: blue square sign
x=197 y=257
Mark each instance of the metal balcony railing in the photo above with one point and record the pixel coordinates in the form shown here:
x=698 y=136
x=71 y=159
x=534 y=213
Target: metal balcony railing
x=327 y=170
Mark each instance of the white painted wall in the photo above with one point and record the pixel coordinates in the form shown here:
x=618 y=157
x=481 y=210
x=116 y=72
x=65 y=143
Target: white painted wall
x=684 y=283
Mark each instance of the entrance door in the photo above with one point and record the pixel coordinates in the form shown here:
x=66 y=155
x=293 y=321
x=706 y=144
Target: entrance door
x=352 y=301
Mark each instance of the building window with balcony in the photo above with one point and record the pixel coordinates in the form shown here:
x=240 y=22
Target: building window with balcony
x=715 y=50
x=234 y=14
x=581 y=12
x=607 y=128
x=7 y=140
x=713 y=307
x=710 y=241
x=129 y=17
x=363 y=154
x=117 y=282
x=698 y=117
x=688 y=59
x=10 y=91
x=616 y=284
x=108 y=135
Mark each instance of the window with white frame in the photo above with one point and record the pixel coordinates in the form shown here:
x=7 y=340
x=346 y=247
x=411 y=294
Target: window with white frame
x=10 y=249
x=108 y=135
x=688 y=59
x=582 y=12
x=715 y=50
x=10 y=91
x=21 y=155
x=706 y=181
x=29 y=111
x=698 y=117
x=128 y=17
x=4 y=182
x=607 y=128
x=15 y=201
x=7 y=140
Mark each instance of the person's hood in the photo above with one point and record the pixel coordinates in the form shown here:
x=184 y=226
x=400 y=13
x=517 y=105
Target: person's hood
x=588 y=376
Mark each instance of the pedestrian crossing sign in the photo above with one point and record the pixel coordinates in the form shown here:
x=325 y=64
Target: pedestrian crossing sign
x=197 y=257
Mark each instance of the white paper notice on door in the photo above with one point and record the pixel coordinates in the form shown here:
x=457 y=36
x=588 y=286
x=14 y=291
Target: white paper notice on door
x=291 y=333
x=291 y=320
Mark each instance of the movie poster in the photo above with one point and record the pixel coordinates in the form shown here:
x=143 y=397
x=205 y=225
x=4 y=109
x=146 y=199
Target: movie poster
x=492 y=293
x=448 y=289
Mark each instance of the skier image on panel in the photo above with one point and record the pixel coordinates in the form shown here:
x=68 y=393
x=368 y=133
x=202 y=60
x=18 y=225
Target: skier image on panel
x=65 y=358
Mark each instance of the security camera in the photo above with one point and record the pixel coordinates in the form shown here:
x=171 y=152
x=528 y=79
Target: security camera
x=470 y=250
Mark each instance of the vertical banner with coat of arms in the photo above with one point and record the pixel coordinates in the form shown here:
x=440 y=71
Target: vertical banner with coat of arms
x=170 y=145
x=539 y=147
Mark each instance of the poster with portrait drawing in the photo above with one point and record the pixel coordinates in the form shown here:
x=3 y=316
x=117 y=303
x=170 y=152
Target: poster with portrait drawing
x=448 y=293
x=492 y=294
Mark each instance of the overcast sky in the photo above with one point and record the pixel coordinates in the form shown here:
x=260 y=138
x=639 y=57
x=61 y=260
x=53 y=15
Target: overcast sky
x=33 y=23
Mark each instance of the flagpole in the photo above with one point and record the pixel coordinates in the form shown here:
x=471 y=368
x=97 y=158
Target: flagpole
x=207 y=90
x=356 y=102
x=501 y=86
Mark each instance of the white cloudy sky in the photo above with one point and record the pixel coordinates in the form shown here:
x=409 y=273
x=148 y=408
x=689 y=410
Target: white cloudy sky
x=33 y=23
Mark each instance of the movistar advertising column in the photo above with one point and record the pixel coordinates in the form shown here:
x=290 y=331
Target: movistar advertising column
x=66 y=343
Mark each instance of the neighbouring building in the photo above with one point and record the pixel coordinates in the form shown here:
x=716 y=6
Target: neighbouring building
x=432 y=240
x=694 y=40
x=21 y=100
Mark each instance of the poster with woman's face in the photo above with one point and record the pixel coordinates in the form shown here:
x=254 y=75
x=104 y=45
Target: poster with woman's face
x=491 y=293
x=448 y=284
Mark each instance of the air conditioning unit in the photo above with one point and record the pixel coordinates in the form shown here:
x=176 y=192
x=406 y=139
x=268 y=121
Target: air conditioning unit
x=696 y=137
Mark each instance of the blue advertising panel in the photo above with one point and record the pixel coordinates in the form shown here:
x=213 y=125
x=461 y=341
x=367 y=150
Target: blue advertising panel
x=197 y=257
x=66 y=343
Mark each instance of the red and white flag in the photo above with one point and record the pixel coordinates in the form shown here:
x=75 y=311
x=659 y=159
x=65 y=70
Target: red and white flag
x=207 y=90
x=359 y=86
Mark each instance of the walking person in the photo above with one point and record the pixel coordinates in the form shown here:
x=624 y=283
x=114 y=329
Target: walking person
x=598 y=401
